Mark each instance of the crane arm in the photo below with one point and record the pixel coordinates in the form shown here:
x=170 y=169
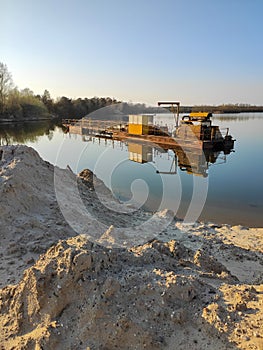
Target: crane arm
x=171 y=104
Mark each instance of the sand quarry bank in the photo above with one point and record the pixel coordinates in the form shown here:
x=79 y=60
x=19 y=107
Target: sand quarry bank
x=94 y=284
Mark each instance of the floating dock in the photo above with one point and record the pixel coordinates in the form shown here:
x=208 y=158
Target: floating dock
x=195 y=131
x=195 y=141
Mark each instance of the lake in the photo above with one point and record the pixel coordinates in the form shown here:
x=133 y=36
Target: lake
x=219 y=188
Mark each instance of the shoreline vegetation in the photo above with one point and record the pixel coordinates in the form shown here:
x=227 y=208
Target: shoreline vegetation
x=23 y=105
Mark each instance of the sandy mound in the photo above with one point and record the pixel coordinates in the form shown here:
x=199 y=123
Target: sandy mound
x=30 y=219
x=160 y=295
x=192 y=287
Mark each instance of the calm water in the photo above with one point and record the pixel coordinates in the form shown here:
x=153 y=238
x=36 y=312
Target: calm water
x=226 y=189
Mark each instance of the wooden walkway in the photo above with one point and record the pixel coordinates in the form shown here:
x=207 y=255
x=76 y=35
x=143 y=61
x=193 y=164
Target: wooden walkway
x=89 y=126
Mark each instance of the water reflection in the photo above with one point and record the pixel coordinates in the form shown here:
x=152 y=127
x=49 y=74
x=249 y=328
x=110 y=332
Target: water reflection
x=240 y=117
x=235 y=193
x=195 y=161
x=13 y=133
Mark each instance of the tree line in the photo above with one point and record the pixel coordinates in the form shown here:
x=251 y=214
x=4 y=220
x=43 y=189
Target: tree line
x=23 y=104
x=229 y=108
x=18 y=105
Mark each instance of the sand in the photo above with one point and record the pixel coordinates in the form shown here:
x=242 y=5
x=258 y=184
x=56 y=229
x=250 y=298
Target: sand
x=95 y=283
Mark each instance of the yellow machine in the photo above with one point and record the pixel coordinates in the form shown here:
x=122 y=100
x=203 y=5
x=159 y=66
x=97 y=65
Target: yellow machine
x=200 y=115
x=140 y=124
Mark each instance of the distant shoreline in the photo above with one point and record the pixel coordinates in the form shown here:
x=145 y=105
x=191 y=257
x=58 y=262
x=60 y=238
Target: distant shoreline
x=183 y=109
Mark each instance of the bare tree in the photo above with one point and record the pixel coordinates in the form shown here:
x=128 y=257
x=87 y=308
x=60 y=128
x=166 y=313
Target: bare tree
x=6 y=83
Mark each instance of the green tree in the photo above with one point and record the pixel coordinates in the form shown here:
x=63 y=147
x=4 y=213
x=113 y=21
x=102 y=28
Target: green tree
x=64 y=108
x=32 y=107
x=6 y=84
x=13 y=107
x=47 y=100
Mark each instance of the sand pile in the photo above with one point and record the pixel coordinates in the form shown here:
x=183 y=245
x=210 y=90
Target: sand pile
x=80 y=295
x=30 y=219
x=192 y=287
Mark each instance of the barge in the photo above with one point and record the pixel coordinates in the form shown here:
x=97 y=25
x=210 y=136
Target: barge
x=194 y=131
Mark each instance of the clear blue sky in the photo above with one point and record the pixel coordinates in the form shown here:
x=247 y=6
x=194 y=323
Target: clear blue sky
x=194 y=51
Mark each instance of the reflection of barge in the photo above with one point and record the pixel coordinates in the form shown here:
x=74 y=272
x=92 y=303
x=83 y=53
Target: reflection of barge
x=104 y=134
x=193 y=161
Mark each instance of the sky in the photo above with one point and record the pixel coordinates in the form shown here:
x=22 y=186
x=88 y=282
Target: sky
x=192 y=51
